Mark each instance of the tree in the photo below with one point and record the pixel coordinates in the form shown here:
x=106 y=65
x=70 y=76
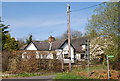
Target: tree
x=7 y=43
x=3 y=32
x=10 y=43
x=29 y=39
x=92 y=34
x=74 y=34
x=105 y=23
x=21 y=42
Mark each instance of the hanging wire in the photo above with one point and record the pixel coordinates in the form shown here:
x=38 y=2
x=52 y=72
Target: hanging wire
x=87 y=7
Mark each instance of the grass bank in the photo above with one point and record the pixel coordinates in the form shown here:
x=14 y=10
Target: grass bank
x=94 y=72
x=68 y=75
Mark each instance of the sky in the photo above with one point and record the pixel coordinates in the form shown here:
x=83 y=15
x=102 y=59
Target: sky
x=56 y=0
x=42 y=19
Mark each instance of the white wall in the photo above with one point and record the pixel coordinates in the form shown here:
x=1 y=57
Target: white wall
x=78 y=56
x=49 y=56
x=31 y=47
x=83 y=47
x=65 y=51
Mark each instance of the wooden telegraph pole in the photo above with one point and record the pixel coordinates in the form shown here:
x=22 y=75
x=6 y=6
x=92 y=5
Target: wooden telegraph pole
x=69 y=49
x=88 y=55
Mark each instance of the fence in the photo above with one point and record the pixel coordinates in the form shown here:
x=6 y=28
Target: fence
x=30 y=61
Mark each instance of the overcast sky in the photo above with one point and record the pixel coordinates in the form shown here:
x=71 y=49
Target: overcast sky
x=42 y=18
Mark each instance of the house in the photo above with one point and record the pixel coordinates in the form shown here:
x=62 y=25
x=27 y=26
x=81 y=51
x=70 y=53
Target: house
x=61 y=47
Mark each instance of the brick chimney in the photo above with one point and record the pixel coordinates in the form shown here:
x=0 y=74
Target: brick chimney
x=51 y=40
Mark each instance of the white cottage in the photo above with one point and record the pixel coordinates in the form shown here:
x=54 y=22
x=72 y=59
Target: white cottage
x=61 y=47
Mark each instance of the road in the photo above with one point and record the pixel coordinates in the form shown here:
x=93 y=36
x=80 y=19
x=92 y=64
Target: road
x=36 y=78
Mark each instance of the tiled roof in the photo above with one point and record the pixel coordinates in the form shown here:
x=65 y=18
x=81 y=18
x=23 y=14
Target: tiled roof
x=44 y=46
x=78 y=42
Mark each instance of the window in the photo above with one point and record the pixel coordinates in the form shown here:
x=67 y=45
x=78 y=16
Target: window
x=65 y=56
x=82 y=56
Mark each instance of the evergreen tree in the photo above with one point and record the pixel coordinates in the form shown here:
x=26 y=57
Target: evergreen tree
x=7 y=43
x=29 y=39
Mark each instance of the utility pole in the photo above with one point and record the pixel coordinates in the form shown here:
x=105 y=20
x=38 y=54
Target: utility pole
x=69 y=49
x=88 y=54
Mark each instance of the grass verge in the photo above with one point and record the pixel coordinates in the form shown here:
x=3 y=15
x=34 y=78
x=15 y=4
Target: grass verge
x=69 y=75
x=20 y=75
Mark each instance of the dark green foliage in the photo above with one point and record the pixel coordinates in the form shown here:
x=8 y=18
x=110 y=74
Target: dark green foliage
x=29 y=39
x=8 y=43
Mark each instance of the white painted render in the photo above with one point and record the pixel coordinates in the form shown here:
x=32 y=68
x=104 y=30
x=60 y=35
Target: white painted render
x=78 y=57
x=31 y=47
x=50 y=56
x=65 y=51
x=83 y=47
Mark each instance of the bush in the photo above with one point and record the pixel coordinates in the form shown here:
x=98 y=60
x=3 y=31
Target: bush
x=116 y=65
x=95 y=61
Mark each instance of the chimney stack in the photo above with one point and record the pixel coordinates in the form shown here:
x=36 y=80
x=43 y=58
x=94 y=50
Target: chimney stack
x=51 y=39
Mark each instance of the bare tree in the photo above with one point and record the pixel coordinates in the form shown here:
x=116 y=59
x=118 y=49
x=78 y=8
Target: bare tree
x=74 y=34
x=21 y=42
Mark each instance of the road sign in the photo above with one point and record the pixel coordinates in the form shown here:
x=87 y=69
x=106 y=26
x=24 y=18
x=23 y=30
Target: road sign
x=110 y=56
x=108 y=67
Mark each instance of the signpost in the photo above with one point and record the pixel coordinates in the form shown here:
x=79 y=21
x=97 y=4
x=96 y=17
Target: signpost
x=110 y=56
x=108 y=66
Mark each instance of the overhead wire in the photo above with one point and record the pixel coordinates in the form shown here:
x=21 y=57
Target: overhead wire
x=87 y=7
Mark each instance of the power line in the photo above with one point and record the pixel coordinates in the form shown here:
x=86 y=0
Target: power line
x=87 y=7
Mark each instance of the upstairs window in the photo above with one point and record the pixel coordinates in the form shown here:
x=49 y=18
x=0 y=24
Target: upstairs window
x=65 y=56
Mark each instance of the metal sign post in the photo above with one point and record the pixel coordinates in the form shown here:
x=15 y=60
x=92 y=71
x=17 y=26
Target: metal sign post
x=108 y=66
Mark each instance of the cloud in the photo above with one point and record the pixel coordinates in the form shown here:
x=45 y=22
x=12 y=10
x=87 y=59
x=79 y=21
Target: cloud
x=35 y=22
x=41 y=26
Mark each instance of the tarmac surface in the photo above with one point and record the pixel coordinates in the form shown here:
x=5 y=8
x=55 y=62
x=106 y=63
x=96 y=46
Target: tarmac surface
x=36 y=78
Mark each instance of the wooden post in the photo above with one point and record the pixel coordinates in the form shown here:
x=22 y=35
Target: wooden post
x=62 y=60
x=69 y=49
